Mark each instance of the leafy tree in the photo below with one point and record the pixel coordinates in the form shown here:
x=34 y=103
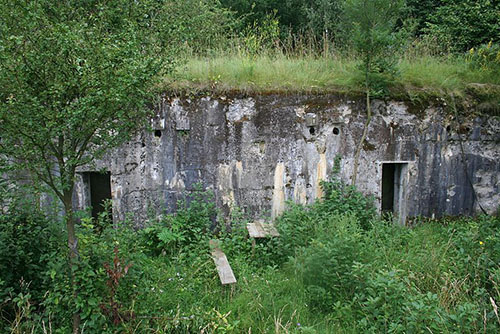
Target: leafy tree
x=463 y=24
x=321 y=16
x=199 y=25
x=252 y=11
x=75 y=80
x=421 y=10
x=293 y=15
x=375 y=39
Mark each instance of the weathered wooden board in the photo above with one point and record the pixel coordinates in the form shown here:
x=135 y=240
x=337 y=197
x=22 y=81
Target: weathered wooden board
x=260 y=229
x=226 y=274
x=255 y=230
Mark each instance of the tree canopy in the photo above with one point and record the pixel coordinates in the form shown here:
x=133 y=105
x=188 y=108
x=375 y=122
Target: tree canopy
x=461 y=25
x=74 y=81
x=457 y=24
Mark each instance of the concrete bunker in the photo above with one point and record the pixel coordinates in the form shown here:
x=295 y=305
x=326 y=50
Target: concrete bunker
x=257 y=152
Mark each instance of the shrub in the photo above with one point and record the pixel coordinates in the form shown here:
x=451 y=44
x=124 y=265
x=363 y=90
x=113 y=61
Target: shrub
x=463 y=24
x=190 y=226
x=381 y=303
x=296 y=227
x=341 y=198
x=261 y=36
x=327 y=264
x=486 y=57
x=25 y=240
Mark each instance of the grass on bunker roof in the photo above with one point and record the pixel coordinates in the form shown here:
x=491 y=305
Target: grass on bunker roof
x=423 y=76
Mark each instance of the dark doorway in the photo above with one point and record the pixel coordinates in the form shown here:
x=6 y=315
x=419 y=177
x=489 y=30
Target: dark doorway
x=100 y=191
x=394 y=184
x=388 y=188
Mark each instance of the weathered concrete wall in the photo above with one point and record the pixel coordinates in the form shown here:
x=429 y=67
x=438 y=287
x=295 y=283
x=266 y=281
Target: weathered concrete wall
x=257 y=152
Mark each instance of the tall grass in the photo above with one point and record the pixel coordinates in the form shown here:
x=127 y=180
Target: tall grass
x=442 y=73
x=305 y=68
x=267 y=73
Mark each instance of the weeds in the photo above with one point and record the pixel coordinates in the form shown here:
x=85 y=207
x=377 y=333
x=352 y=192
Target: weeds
x=115 y=273
x=328 y=272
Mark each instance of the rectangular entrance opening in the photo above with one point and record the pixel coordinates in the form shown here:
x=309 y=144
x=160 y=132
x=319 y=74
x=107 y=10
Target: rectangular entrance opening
x=394 y=184
x=99 y=186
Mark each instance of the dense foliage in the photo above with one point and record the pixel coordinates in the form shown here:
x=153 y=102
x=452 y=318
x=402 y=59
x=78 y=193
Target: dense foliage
x=458 y=24
x=461 y=25
x=77 y=77
x=335 y=268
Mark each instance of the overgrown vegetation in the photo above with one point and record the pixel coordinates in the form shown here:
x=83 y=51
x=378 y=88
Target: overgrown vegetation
x=75 y=81
x=289 y=46
x=76 y=78
x=282 y=73
x=336 y=268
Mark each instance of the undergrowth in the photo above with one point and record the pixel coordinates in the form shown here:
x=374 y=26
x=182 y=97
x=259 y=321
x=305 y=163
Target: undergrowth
x=336 y=268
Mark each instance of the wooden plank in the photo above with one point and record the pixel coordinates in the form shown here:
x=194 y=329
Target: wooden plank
x=255 y=230
x=259 y=229
x=226 y=274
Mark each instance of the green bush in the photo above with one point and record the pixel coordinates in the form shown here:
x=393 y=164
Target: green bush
x=486 y=57
x=341 y=198
x=461 y=25
x=327 y=264
x=261 y=36
x=190 y=226
x=25 y=241
x=381 y=303
x=299 y=225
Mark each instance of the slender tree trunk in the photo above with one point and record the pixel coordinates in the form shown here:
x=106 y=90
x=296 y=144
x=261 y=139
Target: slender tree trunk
x=73 y=252
x=363 y=137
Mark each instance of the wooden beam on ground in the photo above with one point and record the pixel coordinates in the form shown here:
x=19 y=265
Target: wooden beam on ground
x=226 y=274
x=260 y=229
